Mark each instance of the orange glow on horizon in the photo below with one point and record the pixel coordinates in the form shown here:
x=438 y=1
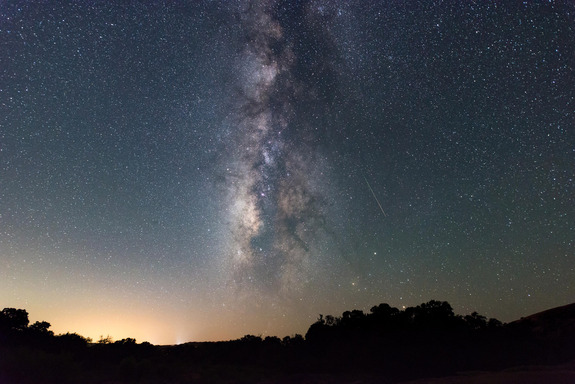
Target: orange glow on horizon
x=117 y=326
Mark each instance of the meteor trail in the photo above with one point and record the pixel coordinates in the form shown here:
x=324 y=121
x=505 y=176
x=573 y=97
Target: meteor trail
x=375 y=197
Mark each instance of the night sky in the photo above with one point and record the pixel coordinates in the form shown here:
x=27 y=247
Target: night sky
x=200 y=170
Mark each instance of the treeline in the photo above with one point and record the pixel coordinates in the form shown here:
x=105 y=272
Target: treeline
x=426 y=340
x=32 y=353
x=15 y=330
x=383 y=321
x=384 y=345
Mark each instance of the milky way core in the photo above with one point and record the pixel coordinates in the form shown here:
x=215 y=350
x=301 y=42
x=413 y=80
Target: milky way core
x=275 y=209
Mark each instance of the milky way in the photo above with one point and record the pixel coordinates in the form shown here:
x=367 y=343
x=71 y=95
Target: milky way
x=276 y=210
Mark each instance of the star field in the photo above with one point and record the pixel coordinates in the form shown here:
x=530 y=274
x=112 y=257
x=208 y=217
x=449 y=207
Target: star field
x=178 y=171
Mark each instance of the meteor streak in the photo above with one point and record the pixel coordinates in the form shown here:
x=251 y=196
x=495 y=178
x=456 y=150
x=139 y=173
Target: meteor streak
x=375 y=197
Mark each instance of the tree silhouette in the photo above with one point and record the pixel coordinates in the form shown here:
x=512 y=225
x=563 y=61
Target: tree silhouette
x=494 y=323
x=476 y=321
x=41 y=327
x=105 y=340
x=384 y=311
x=126 y=341
x=14 y=319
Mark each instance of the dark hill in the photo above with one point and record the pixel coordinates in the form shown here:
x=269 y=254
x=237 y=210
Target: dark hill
x=554 y=322
x=546 y=337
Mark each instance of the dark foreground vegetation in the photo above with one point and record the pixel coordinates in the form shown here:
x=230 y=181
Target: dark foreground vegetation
x=386 y=345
